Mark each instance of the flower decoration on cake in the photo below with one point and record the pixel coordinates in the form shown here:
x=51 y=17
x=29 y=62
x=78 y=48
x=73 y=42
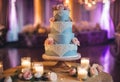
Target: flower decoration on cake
x=52 y=19
x=76 y=41
x=60 y=7
x=95 y=69
x=49 y=41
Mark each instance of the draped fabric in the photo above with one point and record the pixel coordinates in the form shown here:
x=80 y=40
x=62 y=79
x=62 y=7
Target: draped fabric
x=4 y=12
x=116 y=13
x=12 y=34
x=106 y=21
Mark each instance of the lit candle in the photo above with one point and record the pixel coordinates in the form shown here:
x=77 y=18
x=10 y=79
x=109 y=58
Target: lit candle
x=26 y=62
x=82 y=73
x=85 y=62
x=38 y=67
x=1 y=68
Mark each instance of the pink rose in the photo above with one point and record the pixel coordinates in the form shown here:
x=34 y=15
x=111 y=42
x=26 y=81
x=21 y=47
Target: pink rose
x=76 y=41
x=60 y=7
x=72 y=71
x=93 y=71
x=100 y=68
x=52 y=19
x=27 y=75
x=49 y=41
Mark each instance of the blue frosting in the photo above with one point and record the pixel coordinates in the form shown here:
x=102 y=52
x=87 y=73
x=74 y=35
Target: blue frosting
x=62 y=38
x=62 y=15
x=66 y=31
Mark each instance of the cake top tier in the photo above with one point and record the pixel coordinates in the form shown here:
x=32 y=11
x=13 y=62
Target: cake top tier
x=61 y=13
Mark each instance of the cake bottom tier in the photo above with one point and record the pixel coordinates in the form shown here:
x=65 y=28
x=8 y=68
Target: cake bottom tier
x=61 y=50
x=75 y=57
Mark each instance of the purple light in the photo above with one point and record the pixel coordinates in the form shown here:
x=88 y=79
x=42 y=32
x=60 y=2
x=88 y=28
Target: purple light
x=106 y=21
x=13 y=31
x=107 y=61
x=13 y=57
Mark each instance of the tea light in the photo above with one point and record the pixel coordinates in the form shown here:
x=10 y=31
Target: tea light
x=1 y=67
x=82 y=73
x=26 y=62
x=38 y=67
x=85 y=62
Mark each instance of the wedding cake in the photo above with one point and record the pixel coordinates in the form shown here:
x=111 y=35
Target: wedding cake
x=61 y=42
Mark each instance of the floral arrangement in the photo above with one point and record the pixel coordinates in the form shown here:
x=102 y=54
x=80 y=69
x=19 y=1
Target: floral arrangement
x=60 y=7
x=60 y=14
x=93 y=71
x=28 y=75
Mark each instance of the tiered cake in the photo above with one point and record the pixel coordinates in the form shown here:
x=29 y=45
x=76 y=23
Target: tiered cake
x=61 y=43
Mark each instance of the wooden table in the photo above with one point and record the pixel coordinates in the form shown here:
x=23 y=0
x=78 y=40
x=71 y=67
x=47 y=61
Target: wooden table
x=64 y=77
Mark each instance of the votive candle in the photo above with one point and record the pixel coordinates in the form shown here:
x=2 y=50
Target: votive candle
x=38 y=67
x=82 y=73
x=26 y=62
x=85 y=63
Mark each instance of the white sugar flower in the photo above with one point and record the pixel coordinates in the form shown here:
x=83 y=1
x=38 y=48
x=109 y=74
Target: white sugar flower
x=76 y=41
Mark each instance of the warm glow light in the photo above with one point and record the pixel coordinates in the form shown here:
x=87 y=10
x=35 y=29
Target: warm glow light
x=26 y=62
x=81 y=1
x=66 y=2
x=1 y=67
x=38 y=67
x=93 y=2
x=85 y=63
x=82 y=73
x=104 y=1
x=89 y=5
x=37 y=12
x=86 y=1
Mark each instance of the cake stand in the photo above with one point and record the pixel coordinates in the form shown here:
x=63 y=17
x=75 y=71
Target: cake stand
x=61 y=61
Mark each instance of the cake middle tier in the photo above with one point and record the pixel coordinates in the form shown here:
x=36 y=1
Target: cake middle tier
x=60 y=27
x=62 y=38
x=61 y=50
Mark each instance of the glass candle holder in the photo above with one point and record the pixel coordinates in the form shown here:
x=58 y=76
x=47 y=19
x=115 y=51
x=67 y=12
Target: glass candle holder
x=82 y=73
x=26 y=62
x=85 y=63
x=38 y=67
